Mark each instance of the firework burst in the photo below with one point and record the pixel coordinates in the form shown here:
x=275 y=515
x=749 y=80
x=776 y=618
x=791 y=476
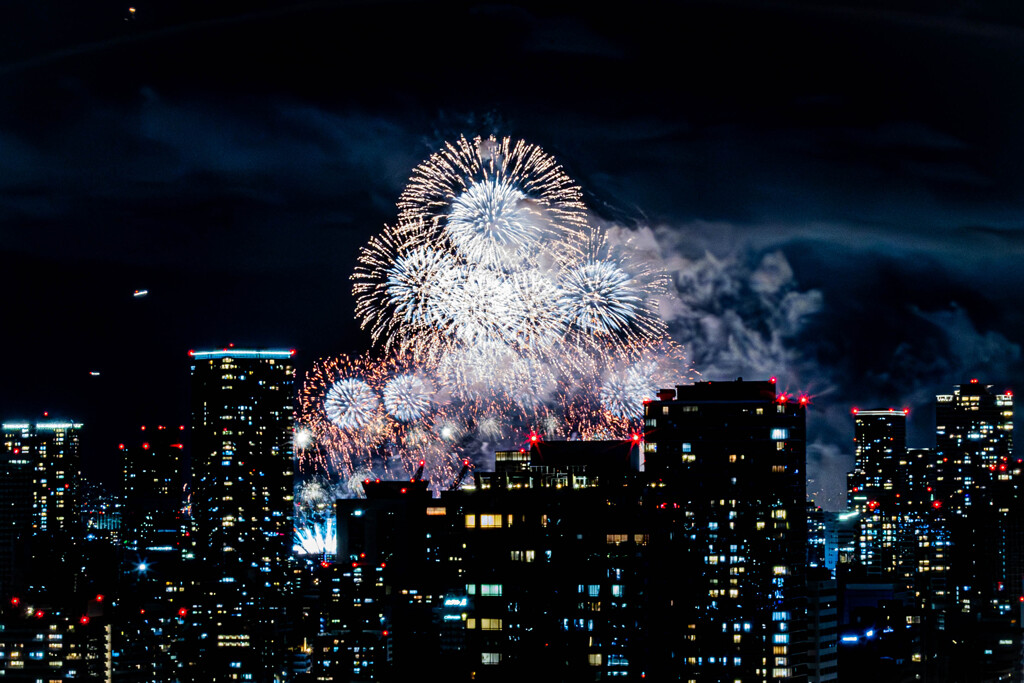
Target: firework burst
x=499 y=310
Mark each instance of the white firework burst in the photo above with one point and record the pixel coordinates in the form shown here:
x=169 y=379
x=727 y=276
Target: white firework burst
x=408 y=397
x=599 y=297
x=493 y=224
x=413 y=283
x=316 y=537
x=350 y=404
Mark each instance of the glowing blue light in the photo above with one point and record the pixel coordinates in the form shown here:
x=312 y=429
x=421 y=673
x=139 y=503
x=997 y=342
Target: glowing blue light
x=241 y=353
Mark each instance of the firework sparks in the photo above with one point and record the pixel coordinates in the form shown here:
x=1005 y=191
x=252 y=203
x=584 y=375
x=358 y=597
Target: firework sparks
x=499 y=310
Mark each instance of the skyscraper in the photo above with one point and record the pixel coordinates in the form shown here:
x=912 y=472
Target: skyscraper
x=152 y=488
x=40 y=486
x=974 y=438
x=732 y=456
x=875 y=486
x=241 y=502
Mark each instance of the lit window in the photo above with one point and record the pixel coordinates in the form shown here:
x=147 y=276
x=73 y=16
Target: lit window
x=490 y=521
x=490 y=589
x=470 y=521
x=490 y=658
x=490 y=624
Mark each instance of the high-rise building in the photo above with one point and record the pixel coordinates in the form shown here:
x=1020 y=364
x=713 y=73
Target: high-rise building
x=983 y=488
x=153 y=488
x=732 y=455
x=41 y=496
x=243 y=404
x=973 y=440
x=875 y=486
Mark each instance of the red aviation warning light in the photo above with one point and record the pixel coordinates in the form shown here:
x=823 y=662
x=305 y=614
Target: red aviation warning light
x=872 y=504
x=15 y=602
x=855 y=410
x=39 y=614
x=772 y=380
x=804 y=400
x=84 y=620
x=906 y=411
x=936 y=504
x=534 y=438
x=636 y=438
x=182 y=612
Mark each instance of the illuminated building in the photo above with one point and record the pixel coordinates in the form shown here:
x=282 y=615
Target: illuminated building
x=153 y=488
x=732 y=455
x=39 y=642
x=974 y=440
x=41 y=475
x=982 y=486
x=242 y=508
x=875 y=484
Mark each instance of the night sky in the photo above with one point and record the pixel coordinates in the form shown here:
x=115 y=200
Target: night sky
x=837 y=190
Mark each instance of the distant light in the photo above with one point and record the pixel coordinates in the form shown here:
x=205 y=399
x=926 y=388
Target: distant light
x=242 y=353
x=39 y=614
x=855 y=410
x=94 y=373
x=636 y=437
x=772 y=380
x=139 y=293
x=84 y=620
x=145 y=446
x=906 y=411
x=15 y=602
x=142 y=566
x=182 y=612
x=99 y=597
x=385 y=634
x=936 y=504
x=404 y=490
x=804 y=400
x=974 y=380
x=325 y=564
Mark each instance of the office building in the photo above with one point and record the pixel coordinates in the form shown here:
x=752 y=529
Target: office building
x=152 y=508
x=41 y=508
x=240 y=530
x=732 y=455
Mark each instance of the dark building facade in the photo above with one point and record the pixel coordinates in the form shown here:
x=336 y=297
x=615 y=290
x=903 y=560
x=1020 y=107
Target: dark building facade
x=240 y=529
x=152 y=503
x=733 y=456
x=41 y=522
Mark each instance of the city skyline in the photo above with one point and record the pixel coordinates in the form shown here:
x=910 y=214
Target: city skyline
x=834 y=190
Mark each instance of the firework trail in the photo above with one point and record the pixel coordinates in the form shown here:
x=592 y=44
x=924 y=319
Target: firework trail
x=498 y=310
